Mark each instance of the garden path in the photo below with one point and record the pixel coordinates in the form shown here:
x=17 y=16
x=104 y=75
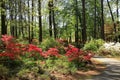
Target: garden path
x=112 y=71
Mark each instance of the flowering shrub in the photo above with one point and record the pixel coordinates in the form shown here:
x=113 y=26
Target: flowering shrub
x=110 y=48
x=74 y=53
x=53 y=52
x=14 y=50
x=6 y=38
x=11 y=49
x=33 y=49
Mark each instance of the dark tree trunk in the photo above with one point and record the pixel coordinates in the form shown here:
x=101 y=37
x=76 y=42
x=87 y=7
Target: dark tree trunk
x=84 y=35
x=3 y=19
x=11 y=17
x=16 y=21
x=40 y=21
x=32 y=31
x=117 y=2
x=76 y=24
x=50 y=17
x=102 y=21
x=54 y=25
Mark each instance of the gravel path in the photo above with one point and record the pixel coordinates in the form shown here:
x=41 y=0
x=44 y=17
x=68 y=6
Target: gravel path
x=112 y=72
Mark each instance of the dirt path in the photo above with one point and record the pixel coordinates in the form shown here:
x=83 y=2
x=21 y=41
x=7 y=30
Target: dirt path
x=112 y=72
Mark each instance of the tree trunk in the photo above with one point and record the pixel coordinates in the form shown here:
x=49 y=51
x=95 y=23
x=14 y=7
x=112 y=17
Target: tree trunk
x=54 y=25
x=32 y=31
x=40 y=21
x=50 y=17
x=102 y=21
x=84 y=35
x=76 y=24
x=117 y=2
x=3 y=19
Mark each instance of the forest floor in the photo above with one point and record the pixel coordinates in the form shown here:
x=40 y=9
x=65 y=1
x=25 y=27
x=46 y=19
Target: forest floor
x=104 y=69
x=97 y=68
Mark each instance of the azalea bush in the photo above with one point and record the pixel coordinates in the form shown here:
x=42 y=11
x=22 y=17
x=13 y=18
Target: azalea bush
x=24 y=58
x=10 y=48
x=110 y=48
x=78 y=56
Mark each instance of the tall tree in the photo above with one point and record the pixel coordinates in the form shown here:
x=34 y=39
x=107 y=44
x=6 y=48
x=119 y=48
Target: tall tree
x=3 y=18
x=53 y=19
x=40 y=20
x=84 y=35
x=117 y=2
x=76 y=22
x=32 y=31
x=50 y=5
x=102 y=21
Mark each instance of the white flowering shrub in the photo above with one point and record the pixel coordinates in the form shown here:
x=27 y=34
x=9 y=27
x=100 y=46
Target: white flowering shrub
x=110 y=48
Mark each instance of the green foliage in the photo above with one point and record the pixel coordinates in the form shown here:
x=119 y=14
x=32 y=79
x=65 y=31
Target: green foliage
x=93 y=45
x=61 y=65
x=3 y=71
x=49 y=43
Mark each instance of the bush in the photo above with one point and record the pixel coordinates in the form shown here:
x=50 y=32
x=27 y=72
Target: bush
x=3 y=71
x=79 y=57
x=49 y=43
x=93 y=45
x=112 y=49
x=60 y=65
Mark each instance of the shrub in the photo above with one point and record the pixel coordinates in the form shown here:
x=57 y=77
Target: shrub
x=3 y=71
x=11 y=48
x=60 y=65
x=49 y=43
x=112 y=49
x=79 y=57
x=93 y=45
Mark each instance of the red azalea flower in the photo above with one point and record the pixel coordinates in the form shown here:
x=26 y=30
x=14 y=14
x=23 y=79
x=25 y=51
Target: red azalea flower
x=53 y=52
x=6 y=38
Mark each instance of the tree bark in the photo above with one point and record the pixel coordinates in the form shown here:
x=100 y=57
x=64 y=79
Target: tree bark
x=54 y=24
x=3 y=19
x=32 y=31
x=117 y=2
x=40 y=21
x=76 y=24
x=84 y=35
x=50 y=17
x=102 y=21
